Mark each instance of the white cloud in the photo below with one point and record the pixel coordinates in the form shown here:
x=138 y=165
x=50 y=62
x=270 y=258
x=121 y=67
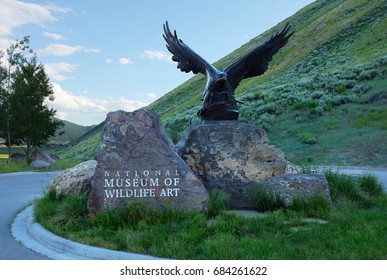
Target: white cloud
x=87 y=111
x=152 y=95
x=125 y=61
x=54 y=36
x=53 y=8
x=109 y=60
x=61 y=115
x=64 y=50
x=90 y=50
x=5 y=43
x=159 y=55
x=55 y=70
x=66 y=101
x=14 y=14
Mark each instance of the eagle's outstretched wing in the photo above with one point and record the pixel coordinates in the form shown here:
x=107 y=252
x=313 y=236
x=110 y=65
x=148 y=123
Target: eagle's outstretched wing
x=187 y=59
x=257 y=60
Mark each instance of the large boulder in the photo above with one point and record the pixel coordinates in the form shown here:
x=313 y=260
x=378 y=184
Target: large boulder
x=231 y=156
x=137 y=163
x=76 y=179
x=301 y=186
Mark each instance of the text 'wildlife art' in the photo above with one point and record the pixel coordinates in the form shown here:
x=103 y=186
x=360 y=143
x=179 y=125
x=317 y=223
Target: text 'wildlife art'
x=219 y=102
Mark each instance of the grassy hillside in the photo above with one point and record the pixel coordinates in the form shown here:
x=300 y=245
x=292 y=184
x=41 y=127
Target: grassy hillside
x=71 y=132
x=84 y=147
x=323 y=99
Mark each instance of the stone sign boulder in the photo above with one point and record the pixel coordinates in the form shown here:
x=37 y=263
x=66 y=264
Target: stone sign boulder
x=76 y=179
x=302 y=186
x=137 y=163
x=231 y=156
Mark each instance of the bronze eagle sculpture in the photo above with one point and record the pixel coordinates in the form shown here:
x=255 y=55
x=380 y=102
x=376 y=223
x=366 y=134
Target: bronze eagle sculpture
x=219 y=102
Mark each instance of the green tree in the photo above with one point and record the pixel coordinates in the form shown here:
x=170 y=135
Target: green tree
x=3 y=98
x=15 y=57
x=31 y=120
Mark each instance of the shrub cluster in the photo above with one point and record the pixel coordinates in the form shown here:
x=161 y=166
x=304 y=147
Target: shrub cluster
x=175 y=127
x=307 y=138
x=314 y=93
x=364 y=190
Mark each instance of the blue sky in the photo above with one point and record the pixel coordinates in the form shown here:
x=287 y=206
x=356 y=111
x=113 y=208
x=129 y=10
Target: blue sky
x=104 y=56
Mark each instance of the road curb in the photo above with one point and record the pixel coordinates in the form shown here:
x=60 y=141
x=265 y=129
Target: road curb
x=33 y=236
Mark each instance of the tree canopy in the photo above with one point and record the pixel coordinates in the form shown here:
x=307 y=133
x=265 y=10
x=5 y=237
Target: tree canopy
x=25 y=119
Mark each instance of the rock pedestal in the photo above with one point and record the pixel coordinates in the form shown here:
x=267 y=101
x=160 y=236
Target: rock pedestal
x=231 y=156
x=137 y=163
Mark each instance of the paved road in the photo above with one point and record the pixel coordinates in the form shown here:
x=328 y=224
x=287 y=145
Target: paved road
x=16 y=190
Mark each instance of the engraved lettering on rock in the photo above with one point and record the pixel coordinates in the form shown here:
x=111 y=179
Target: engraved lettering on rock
x=141 y=184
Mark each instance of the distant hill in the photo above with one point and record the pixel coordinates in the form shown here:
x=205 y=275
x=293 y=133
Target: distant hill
x=71 y=132
x=323 y=99
x=84 y=147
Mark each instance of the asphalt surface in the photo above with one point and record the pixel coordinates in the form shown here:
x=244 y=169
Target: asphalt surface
x=16 y=191
x=20 y=189
x=24 y=239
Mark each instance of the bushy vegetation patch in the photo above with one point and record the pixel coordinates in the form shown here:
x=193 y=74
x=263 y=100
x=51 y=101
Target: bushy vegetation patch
x=217 y=203
x=307 y=138
x=363 y=191
x=317 y=206
x=81 y=151
x=264 y=202
x=369 y=184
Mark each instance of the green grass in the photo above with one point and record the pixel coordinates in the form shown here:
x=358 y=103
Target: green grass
x=71 y=131
x=81 y=151
x=354 y=230
x=264 y=202
x=7 y=166
x=333 y=139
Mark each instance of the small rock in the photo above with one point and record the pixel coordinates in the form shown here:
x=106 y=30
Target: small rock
x=76 y=179
x=39 y=164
